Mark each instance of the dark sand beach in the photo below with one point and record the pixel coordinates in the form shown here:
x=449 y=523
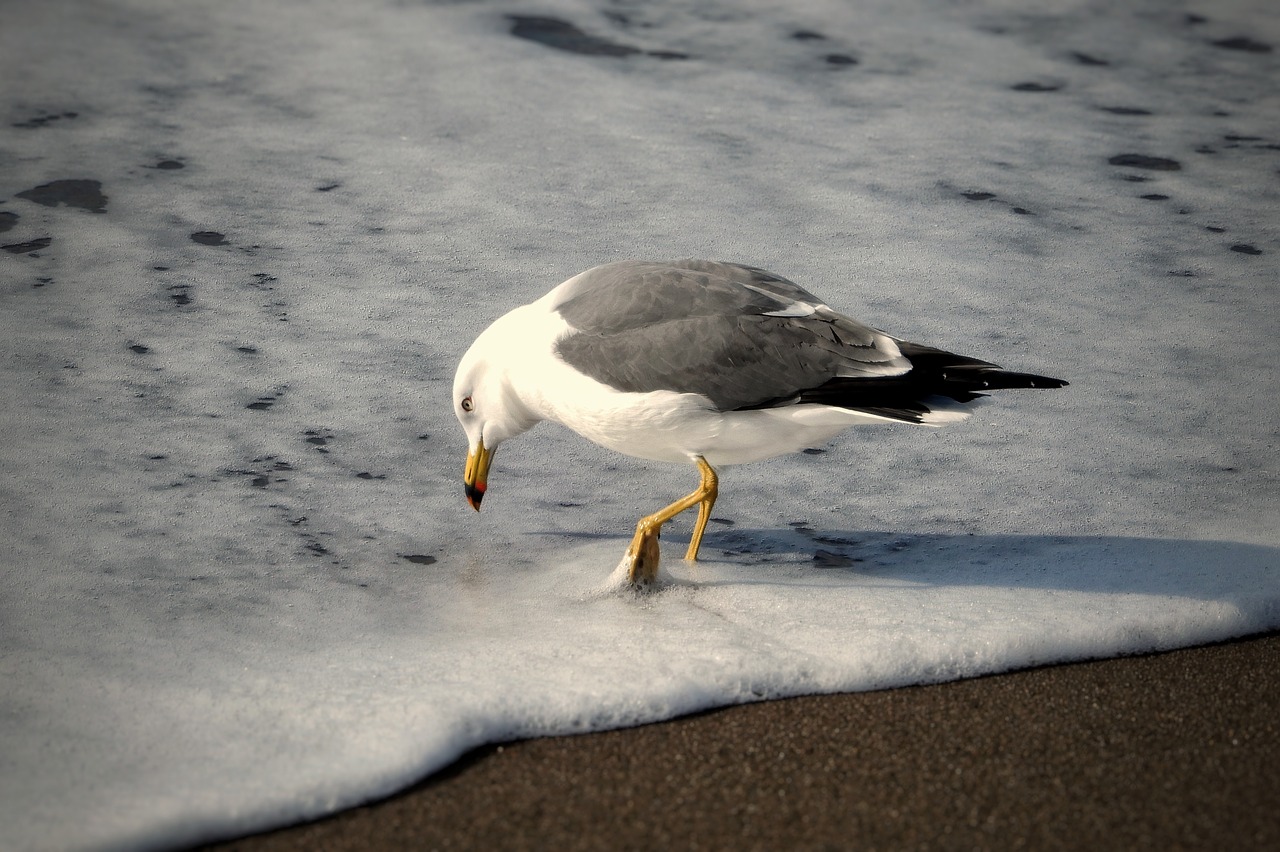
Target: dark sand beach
x=1179 y=750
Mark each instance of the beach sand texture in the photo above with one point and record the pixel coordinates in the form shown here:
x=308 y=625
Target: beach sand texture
x=1169 y=751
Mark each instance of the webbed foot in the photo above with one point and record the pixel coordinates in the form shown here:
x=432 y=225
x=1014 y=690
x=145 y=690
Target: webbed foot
x=642 y=558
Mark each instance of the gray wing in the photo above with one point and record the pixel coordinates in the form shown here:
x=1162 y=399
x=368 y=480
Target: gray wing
x=741 y=336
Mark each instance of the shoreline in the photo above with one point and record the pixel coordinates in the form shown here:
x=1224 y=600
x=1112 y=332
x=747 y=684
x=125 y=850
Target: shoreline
x=1174 y=749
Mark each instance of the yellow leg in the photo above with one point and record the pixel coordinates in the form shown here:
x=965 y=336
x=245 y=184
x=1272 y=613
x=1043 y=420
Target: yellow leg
x=642 y=554
x=709 y=489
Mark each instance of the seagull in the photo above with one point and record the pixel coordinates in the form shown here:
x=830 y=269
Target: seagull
x=698 y=362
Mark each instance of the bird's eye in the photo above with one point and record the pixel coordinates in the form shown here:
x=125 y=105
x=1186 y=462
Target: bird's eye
x=467 y=404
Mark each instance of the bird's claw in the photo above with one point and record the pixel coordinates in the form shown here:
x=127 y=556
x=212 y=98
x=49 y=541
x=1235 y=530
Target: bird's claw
x=642 y=558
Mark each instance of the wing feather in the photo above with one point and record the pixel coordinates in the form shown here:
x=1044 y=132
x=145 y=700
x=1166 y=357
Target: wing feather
x=734 y=334
x=748 y=339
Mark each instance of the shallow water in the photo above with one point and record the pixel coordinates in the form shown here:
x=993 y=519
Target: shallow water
x=242 y=585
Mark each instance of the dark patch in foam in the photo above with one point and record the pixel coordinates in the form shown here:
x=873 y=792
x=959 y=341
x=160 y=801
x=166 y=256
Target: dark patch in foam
x=262 y=478
x=209 y=238
x=44 y=120
x=264 y=403
x=418 y=558
x=1035 y=87
x=562 y=35
x=1243 y=43
x=1245 y=248
x=1086 y=59
x=85 y=194
x=1142 y=161
x=29 y=247
x=831 y=559
x=8 y=221
x=1120 y=110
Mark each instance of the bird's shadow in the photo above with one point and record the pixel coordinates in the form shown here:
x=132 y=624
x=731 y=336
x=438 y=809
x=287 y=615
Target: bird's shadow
x=1246 y=574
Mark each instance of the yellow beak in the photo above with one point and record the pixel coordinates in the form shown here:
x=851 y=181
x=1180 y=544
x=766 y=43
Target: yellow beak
x=477 y=473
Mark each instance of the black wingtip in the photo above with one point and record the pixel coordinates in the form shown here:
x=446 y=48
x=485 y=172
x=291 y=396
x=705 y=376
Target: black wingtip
x=1002 y=380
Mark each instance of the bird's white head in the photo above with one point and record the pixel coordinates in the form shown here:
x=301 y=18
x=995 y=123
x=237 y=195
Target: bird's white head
x=487 y=403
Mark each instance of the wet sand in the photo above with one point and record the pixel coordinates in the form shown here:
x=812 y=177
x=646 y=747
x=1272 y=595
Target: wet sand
x=1173 y=750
